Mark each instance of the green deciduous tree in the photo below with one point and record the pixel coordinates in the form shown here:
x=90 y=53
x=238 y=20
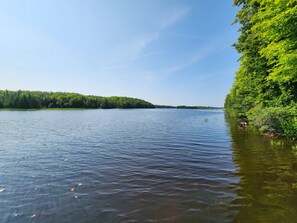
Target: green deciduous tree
x=267 y=77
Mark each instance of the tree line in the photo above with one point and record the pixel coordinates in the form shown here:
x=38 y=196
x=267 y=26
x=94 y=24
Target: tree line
x=265 y=86
x=38 y=99
x=187 y=107
x=197 y=107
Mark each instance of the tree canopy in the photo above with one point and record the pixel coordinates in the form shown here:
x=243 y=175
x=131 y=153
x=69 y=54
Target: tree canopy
x=38 y=99
x=267 y=77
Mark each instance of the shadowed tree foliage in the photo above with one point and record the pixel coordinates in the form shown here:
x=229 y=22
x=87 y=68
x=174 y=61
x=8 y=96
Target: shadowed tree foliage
x=38 y=99
x=265 y=87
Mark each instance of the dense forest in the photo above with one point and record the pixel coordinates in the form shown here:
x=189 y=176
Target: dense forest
x=265 y=87
x=38 y=99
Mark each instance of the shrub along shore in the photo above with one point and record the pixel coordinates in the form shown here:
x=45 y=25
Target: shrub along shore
x=265 y=87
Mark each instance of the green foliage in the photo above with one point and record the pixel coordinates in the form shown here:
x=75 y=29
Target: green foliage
x=267 y=77
x=277 y=120
x=37 y=99
x=276 y=25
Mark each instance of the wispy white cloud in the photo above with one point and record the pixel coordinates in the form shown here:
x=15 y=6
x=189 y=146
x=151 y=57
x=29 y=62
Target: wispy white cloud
x=135 y=47
x=197 y=56
x=132 y=50
x=186 y=36
x=149 y=54
x=157 y=75
x=175 y=17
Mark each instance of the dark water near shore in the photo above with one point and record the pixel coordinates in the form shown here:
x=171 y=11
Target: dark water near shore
x=158 y=165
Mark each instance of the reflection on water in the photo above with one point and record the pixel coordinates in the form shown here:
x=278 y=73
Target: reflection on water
x=159 y=165
x=268 y=178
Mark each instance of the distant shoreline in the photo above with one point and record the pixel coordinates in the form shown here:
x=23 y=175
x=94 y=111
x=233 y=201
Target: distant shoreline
x=39 y=100
x=188 y=107
x=74 y=109
x=62 y=100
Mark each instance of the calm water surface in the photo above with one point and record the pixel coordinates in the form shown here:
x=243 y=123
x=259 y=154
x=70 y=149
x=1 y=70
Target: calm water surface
x=158 y=165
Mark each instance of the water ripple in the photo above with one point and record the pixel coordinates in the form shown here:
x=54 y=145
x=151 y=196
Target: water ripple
x=116 y=166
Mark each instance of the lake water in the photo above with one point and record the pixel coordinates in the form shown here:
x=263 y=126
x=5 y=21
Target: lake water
x=150 y=165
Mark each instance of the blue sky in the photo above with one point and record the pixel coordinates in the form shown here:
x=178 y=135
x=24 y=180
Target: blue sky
x=175 y=52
